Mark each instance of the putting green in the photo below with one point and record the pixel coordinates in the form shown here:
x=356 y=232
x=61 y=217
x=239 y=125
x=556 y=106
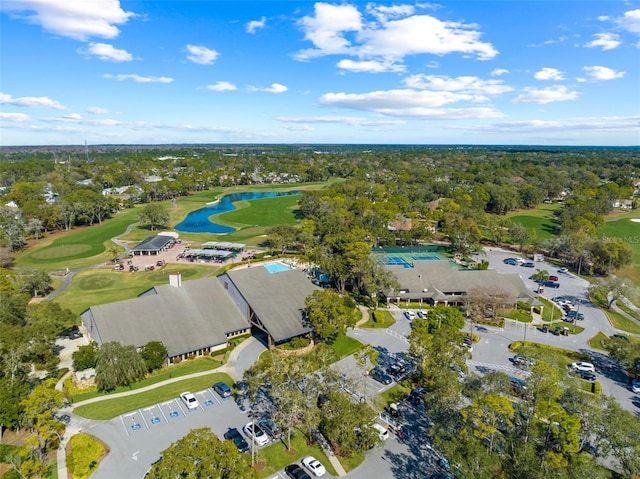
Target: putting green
x=62 y=251
x=96 y=282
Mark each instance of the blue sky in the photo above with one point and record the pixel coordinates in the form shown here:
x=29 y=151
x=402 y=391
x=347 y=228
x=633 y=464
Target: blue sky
x=473 y=72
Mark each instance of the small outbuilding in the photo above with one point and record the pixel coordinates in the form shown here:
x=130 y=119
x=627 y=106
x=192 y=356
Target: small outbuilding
x=154 y=245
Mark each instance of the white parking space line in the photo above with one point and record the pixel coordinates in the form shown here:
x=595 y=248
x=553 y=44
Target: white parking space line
x=124 y=425
x=163 y=415
x=143 y=419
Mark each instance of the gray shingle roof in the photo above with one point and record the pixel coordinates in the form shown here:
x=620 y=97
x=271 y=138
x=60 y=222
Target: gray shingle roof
x=438 y=279
x=276 y=298
x=196 y=315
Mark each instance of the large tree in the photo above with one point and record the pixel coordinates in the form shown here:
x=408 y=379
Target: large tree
x=330 y=314
x=118 y=365
x=154 y=354
x=200 y=454
x=154 y=215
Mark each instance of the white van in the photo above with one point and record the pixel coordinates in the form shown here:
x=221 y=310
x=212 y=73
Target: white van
x=584 y=367
x=383 y=432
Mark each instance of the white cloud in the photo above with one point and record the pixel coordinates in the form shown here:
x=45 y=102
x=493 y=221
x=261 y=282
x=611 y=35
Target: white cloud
x=549 y=74
x=201 y=55
x=107 y=52
x=606 y=41
x=254 y=25
x=546 y=95
x=138 y=78
x=499 y=72
x=603 y=73
x=586 y=123
x=384 y=12
x=387 y=36
x=31 y=102
x=326 y=29
x=78 y=19
x=72 y=117
x=15 y=117
x=96 y=110
x=409 y=103
x=370 y=66
x=346 y=120
x=222 y=86
x=467 y=84
x=274 y=88
x=630 y=21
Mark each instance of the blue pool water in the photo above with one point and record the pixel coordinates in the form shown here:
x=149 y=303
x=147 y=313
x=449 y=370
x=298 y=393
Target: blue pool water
x=276 y=267
x=198 y=221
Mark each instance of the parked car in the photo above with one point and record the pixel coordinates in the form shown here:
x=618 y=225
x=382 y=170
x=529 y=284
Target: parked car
x=409 y=315
x=510 y=261
x=254 y=432
x=620 y=336
x=575 y=315
x=583 y=366
x=397 y=369
x=271 y=428
x=296 y=472
x=222 y=389
x=563 y=270
x=522 y=361
x=416 y=397
x=528 y=264
x=547 y=283
x=234 y=435
x=189 y=400
x=553 y=278
x=379 y=375
x=586 y=375
x=635 y=386
x=313 y=465
x=383 y=432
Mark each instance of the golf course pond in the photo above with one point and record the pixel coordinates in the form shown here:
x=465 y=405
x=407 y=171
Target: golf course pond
x=199 y=221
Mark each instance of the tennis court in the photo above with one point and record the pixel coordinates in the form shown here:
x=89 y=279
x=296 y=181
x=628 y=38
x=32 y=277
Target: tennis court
x=426 y=257
x=395 y=261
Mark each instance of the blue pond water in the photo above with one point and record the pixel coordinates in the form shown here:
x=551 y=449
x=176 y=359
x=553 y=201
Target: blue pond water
x=198 y=221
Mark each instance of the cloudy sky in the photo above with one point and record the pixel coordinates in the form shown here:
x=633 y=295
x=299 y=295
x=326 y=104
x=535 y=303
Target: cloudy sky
x=204 y=71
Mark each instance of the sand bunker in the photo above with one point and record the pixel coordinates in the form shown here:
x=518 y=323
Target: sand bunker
x=635 y=220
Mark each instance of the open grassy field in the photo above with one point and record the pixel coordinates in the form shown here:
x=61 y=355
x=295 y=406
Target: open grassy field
x=540 y=219
x=79 y=247
x=264 y=212
x=101 y=286
x=619 y=225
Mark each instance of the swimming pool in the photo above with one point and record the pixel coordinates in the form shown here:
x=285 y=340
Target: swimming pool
x=276 y=267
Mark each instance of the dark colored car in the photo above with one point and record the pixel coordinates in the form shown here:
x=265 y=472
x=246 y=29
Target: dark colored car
x=550 y=284
x=586 y=375
x=620 y=336
x=380 y=376
x=234 y=435
x=397 y=369
x=510 y=261
x=296 y=472
x=575 y=315
x=271 y=428
x=416 y=397
x=222 y=389
x=528 y=264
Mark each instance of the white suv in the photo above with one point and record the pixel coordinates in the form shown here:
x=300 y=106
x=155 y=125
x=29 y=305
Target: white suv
x=189 y=400
x=582 y=366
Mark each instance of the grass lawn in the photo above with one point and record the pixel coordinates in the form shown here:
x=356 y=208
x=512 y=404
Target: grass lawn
x=277 y=456
x=541 y=219
x=393 y=394
x=379 y=319
x=346 y=346
x=100 y=286
x=185 y=368
x=558 y=357
x=265 y=212
x=79 y=247
x=550 y=311
x=110 y=408
x=627 y=310
x=622 y=322
x=619 y=225
x=515 y=314
x=596 y=341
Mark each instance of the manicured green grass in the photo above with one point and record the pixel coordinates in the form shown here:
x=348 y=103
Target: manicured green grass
x=596 y=341
x=263 y=212
x=515 y=314
x=101 y=286
x=379 y=319
x=185 y=368
x=550 y=312
x=627 y=310
x=622 y=322
x=541 y=219
x=277 y=456
x=393 y=394
x=345 y=346
x=549 y=354
x=79 y=247
x=573 y=328
x=621 y=226
x=110 y=408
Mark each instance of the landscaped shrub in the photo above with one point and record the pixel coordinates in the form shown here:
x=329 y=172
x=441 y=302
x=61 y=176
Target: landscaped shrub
x=84 y=453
